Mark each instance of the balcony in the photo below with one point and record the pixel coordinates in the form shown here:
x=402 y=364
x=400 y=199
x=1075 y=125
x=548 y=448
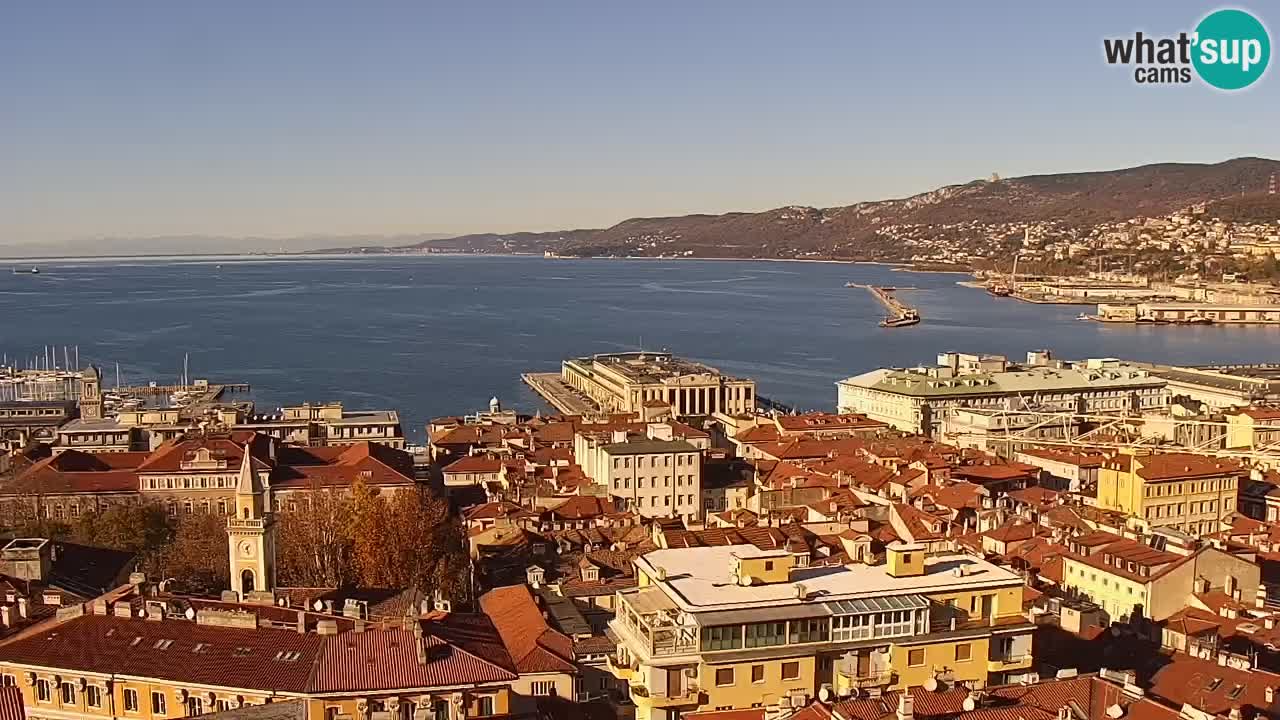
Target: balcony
x=689 y=695
x=619 y=669
x=1006 y=663
x=870 y=680
x=646 y=621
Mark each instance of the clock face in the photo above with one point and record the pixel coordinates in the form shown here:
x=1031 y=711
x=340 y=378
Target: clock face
x=246 y=548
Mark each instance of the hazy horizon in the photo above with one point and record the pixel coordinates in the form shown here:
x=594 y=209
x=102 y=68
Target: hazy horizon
x=239 y=121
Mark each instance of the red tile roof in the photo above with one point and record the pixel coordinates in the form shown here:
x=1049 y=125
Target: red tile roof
x=1174 y=466
x=533 y=645
x=1213 y=688
x=229 y=657
x=475 y=464
x=459 y=649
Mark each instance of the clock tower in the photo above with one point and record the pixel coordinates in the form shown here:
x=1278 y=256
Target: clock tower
x=251 y=536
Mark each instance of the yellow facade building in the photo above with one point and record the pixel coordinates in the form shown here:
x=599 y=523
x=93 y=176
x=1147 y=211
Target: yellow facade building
x=1185 y=492
x=735 y=627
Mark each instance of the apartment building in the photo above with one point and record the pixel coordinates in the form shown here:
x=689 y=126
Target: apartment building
x=627 y=382
x=1185 y=492
x=1129 y=579
x=914 y=400
x=738 y=627
x=654 y=477
x=1252 y=428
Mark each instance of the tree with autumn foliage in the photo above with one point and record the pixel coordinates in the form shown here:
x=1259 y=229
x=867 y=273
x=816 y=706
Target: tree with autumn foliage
x=197 y=556
x=313 y=543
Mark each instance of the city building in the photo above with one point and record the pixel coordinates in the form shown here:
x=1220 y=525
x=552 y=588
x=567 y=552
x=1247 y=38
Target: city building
x=1182 y=491
x=199 y=473
x=137 y=651
x=735 y=627
x=313 y=425
x=914 y=400
x=26 y=421
x=625 y=382
x=655 y=475
x=1132 y=580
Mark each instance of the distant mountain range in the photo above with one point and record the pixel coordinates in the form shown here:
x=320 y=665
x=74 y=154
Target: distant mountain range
x=202 y=245
x=862 y=231
x=858 y=231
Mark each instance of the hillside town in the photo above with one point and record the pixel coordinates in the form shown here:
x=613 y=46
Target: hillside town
x=977 y=537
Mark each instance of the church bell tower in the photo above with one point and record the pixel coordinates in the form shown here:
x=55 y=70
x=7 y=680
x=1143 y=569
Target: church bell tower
x=91 y=394
x=251 y=534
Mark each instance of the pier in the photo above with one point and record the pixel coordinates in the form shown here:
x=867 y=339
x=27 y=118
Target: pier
x=900 y=314
x=559 y=395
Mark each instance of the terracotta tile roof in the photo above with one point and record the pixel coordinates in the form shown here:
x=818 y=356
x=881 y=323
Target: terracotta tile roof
x=532 y=644
x=475 y=464
x=460 y=650
x=1173 y=466
x=582 y=507
x=373 y=463
x=73 y=471
x=1213 y=688
x=228 y=657
x=920 y=524
x=765 y=433
x=818 y=421
x=809 y=448
x=1013 y=532
x=1035 y=495
x=995 y=473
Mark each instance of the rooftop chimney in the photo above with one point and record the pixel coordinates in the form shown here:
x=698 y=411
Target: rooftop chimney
x=5 y=620
x=906 y=707
x=22 y=607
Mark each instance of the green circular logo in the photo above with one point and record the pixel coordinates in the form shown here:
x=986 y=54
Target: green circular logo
x=1231 y=49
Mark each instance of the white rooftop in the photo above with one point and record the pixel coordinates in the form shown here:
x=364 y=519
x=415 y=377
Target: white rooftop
x=701 y=578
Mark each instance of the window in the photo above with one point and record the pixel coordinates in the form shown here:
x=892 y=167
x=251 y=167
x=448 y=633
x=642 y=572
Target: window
x=157 y=703
x=850 y=627
x=130 y=700
x=964 y=651
x=915 y=658
x=10 y=680
x=724 y=676
x=757 y=673
x=790 y=670
x=722 y=637
x=906 y=558
x=484 y=706
x=43 y=691
x=331 y=712
x=93 y=696
x=765 y=634
x=195 y=706
x=68 y=693
x=806 y=631
x=544 y=687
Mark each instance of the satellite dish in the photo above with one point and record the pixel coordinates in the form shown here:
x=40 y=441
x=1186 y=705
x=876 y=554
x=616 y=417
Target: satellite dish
x=318 y=605
x=744 y=580
x=190 y=613
x=1115 y=712
x=931 y=684
x=824 y=694
x=969 y=705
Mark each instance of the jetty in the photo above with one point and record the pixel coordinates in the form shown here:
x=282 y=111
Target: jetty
x=900 y=314
x=559 y=394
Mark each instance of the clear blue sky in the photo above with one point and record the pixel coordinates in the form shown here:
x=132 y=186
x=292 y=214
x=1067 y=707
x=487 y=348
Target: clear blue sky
x=289 y=117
